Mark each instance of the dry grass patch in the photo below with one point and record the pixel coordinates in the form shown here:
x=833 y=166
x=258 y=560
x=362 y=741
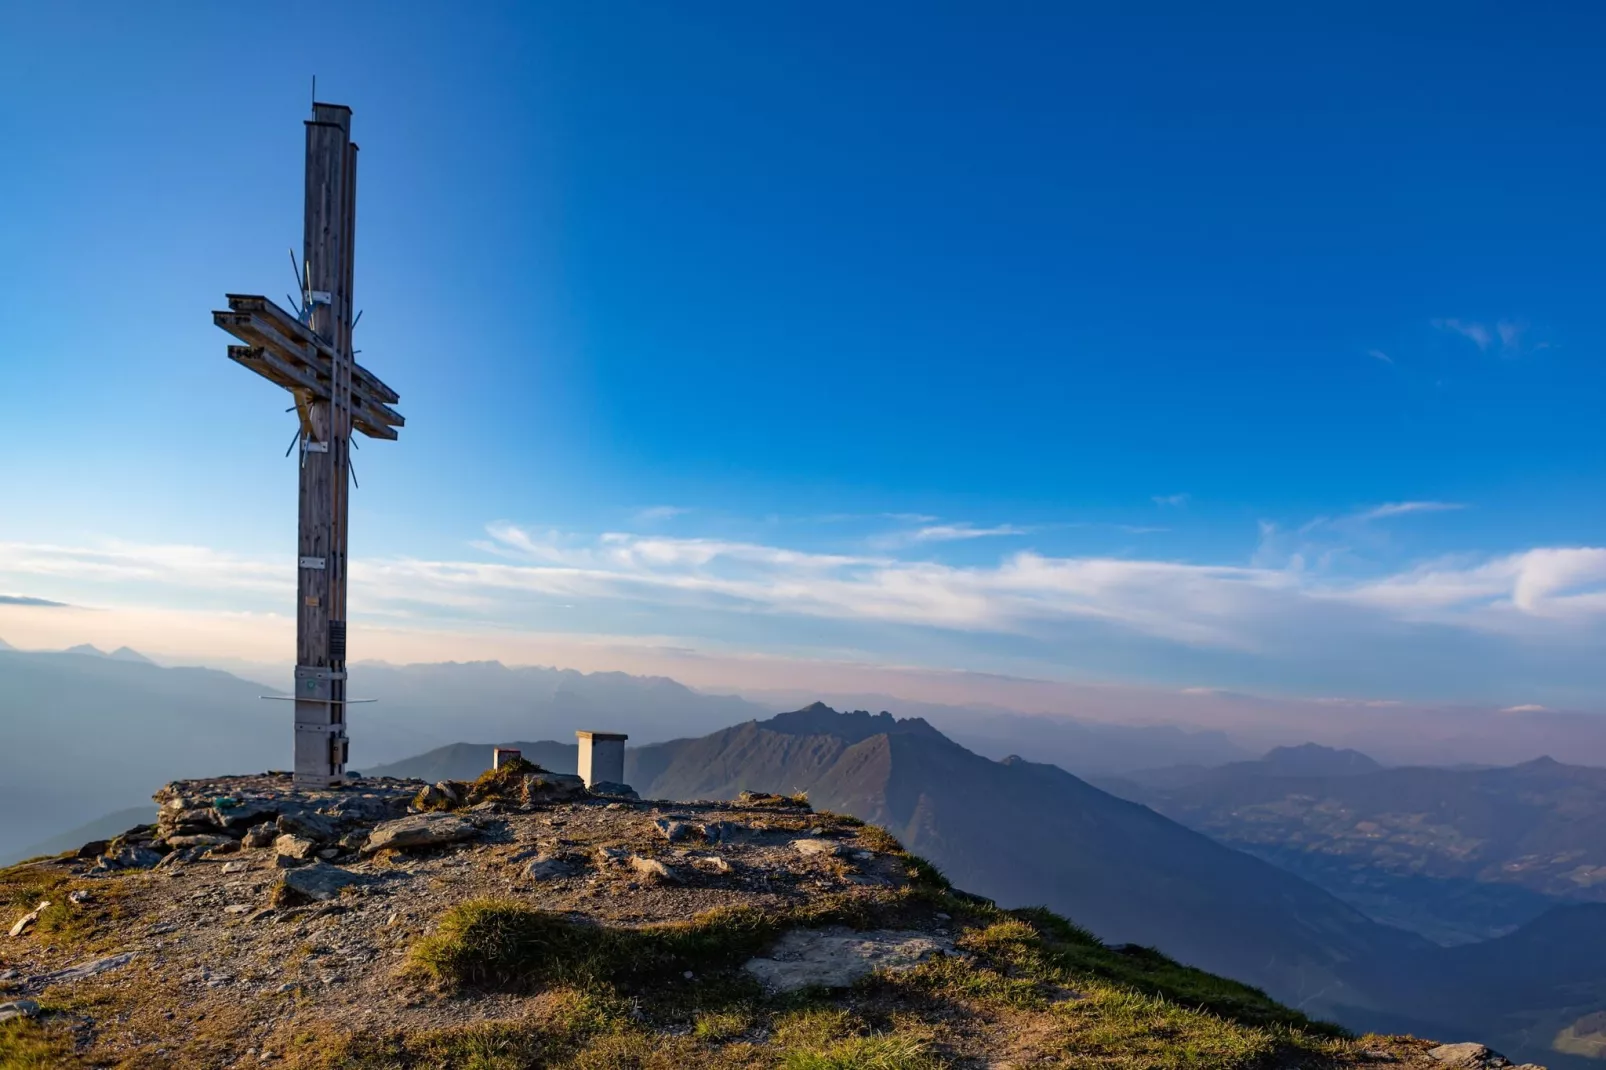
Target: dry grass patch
x=37 y=1045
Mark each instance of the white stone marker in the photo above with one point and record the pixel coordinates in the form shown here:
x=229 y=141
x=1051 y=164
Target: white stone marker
x=602 y=757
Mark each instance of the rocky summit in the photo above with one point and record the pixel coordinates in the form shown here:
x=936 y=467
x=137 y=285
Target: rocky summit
x=521 y=921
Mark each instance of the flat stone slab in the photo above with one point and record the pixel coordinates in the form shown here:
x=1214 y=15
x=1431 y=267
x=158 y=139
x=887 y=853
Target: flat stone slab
x=82 y=971
x=1473 y=1056
x=817 y=848
x=318 y=882
x=420 y=830
x=837 y=957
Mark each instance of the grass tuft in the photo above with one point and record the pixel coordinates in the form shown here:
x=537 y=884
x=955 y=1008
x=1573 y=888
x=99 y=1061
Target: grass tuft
x=881 y=1052
x=505 y=945
x=34 y=1045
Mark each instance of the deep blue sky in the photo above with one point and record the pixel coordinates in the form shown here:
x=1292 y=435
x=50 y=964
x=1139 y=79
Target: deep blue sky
x=801 y=276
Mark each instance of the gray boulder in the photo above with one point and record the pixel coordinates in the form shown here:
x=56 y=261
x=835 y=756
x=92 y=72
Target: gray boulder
x=552 y=867
x=318 y=882
x=307 y=825
x=297 y=847
x=612 y=790
x=553 y=787
x=677 y=831
x=130 y=856
x=420 y=830
x=258 y=836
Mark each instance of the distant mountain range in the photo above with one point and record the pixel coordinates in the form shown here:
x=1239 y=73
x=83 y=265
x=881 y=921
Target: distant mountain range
x=1458 y=855
x=122 y=653
x=1026 y=833
x=1016 y=830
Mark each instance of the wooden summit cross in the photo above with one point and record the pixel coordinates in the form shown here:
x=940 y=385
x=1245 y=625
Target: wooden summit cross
x=310 y=355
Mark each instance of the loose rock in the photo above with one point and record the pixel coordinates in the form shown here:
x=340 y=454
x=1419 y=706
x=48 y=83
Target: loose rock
x=1471 y=1056
x=18 y=1008
x=836 y=957
x=197 y=840
x=676 y=831
x=258 y=836
x=651 y=869
x=816 y=848
x=318 y=882
x=297 y=847
x=83 y=970
x=131 y=856
x=28 y=919
x=552 y=787
x=552 y=867
x=420 y=830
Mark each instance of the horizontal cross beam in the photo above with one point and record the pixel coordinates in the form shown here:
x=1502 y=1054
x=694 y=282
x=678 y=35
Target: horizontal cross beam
x=367 y=416
x=300 y=332
x=285 y=351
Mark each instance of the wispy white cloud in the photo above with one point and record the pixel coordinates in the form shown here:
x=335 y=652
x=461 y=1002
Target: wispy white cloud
x=1508 y=333
x=952 y=532
x=1557 y=592
x=1527 y=707
x=1174 y=501
x=660 y=512
x=1477 y=333
x=1388 y=509
x=1378 y=354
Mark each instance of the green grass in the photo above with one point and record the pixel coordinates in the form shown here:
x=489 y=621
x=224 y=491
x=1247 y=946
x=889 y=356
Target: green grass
x=33 y=1045
x=865 y=1053
x=506 y=945
x=25 y=885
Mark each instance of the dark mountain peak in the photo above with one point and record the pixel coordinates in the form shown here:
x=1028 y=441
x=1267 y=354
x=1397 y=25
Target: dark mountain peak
x=818 y=719
x=1543 y=763
x=128 y=653
x=86 y=649
x=1313 y=759
x=5 y=645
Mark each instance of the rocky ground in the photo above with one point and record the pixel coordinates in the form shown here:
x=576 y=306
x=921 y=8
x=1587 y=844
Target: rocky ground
x=523 y=921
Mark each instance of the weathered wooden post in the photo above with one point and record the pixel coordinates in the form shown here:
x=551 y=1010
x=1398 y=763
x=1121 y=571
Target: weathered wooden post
x=311 y=356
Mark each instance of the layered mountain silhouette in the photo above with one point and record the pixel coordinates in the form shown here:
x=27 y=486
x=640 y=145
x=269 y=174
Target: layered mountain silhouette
x=1456 y=854
x=1025 y=833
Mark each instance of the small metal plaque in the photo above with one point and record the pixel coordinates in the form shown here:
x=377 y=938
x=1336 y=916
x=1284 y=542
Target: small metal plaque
x=312 y=562
x=315 y=447
x=322 y=297
x=312 y=600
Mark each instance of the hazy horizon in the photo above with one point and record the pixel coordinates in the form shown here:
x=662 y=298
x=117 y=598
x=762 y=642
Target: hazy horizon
x=1394 y=732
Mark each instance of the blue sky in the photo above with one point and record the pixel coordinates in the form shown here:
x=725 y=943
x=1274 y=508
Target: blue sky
x=1255 y=349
